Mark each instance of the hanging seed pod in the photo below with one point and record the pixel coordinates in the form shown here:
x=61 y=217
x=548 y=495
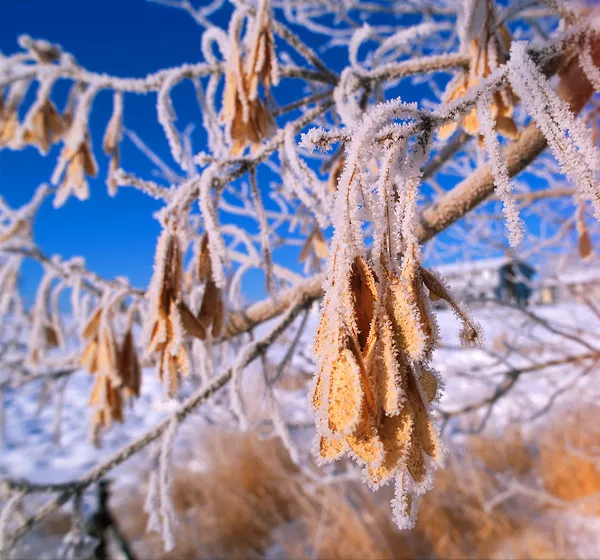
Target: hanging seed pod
x=116 y=370
x=334 y=175
x=489 y=45
x=164 y=325
x=111 y=141
x=47 y=127
x=584 y=242
x=314 y=250
x=211 y=315
x=78 y=163
x=246 y=117
x=374 y=386
x=261 y=64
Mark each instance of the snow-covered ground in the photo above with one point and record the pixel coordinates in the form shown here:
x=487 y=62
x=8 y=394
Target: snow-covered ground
x=470 y=375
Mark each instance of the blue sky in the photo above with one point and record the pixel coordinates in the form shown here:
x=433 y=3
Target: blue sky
x=123 y=38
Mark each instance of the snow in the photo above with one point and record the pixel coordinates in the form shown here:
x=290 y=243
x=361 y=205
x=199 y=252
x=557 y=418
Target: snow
x=29 y=452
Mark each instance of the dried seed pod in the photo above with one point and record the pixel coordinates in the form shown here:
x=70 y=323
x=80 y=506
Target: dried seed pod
x=374 y=385
x=78 y=163
x=314 y=250
x=9 y=125
x=334 y=175
x=408 y=311
x=489 y=45
x=248 y=120
x=395 y=432
x=129 y=366
x=210 y=318
x=169 y=318
x=18 y=228
x=111 y=141
x=345 y=393
x=47 y=127
x=46 y=332
x=115 y=369
x=584 y=242
x=261 y=64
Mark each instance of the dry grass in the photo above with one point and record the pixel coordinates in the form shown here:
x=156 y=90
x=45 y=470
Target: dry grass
x=570 y=458
x=251 y=502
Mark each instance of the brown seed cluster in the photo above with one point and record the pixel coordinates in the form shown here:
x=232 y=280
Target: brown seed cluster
x=247 y=117
x=111 y=141
x=51 y=338
x=46 y=331
x=79 y=163
x=374 y=386
x=9 y=124
x=169 y=316
x=314 y=251
x=47 y=127
x=165 y=322
x=488 y=51
x=117 y=368
x=212 y=310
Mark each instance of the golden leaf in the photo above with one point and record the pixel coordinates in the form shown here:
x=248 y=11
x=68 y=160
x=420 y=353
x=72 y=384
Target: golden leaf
x=191 y=325
x=8 y=129
x=331 y=449
x=91 y=327
x=429 y=384
x=364 y=439
x=395 y=432
x=345 y=393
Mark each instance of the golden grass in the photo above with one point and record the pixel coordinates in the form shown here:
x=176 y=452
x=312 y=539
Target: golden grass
x=250 y=502
x=570 y=458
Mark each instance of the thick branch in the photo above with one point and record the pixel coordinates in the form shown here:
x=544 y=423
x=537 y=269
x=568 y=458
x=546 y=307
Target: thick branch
x=472 y=191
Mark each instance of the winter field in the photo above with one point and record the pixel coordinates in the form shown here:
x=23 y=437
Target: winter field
x=506 y=449
x=239 y=240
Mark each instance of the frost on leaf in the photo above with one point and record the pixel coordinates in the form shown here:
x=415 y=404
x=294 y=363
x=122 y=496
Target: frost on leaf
x=163 y=330
x=46 y=127
x=116 y=367
x=374 y=384
x=314 y=251
x=112 y=138
x=488 y=43
x=169 y=318
x=73 y=166
x=212 y=310
x=46 y=332
x=246 y=116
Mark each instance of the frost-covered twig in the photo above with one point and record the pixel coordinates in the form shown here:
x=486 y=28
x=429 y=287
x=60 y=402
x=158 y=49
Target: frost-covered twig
x=205 y=392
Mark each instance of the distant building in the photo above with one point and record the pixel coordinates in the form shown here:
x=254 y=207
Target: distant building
x=486 y=279
x=516 y=282
x=575 y=282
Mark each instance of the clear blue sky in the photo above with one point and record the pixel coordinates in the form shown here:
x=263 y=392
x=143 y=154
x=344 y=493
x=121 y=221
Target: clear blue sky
x=123 y=38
